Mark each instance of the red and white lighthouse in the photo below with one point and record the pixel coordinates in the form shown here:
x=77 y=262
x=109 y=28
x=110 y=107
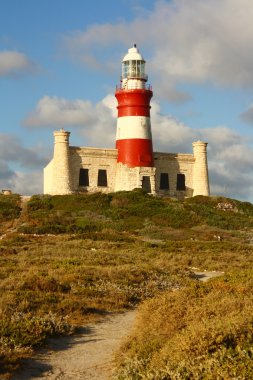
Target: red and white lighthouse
x=133 y=138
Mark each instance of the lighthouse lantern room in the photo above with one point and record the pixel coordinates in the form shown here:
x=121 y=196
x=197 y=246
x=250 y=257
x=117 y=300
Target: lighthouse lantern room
x=133 y=70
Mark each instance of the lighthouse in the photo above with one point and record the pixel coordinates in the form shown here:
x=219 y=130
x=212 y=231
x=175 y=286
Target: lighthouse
x=132 y=163
x=133 y=137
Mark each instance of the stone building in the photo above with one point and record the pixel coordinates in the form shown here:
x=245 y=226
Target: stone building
x=132 y=164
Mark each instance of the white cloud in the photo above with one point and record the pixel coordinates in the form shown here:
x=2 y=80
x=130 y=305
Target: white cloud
x=170 y=134
x=5 y=171
x=247 y=116
x=54 y=111
x=193 y=40
x=95 y=122
x=20 y=167
x=28 y=183
x=23 y=183
x=229 y=154
x=15 y=64
x=230 y=164
x=12 y=150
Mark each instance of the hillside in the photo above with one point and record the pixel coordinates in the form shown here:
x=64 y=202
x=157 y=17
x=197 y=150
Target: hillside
x=68 y=260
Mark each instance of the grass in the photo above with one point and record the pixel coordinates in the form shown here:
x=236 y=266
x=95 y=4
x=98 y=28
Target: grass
x=75 y=281
x=132 y=212
x=75 y=258
x=9 y=210
x=204 y=331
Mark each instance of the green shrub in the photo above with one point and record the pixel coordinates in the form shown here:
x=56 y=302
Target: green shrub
x=9 y=207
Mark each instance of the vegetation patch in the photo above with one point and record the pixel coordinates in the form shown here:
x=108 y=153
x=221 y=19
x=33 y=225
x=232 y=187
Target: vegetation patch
x=204 y=331
x=75 y=258
x=131 y=211
x=9 y=207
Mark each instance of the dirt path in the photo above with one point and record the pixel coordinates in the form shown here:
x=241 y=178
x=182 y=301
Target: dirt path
x=22 y=216
x=88 y=355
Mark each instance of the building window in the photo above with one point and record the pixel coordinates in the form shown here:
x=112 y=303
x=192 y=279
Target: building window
x=84 y=177
x=102 y=178
x=164 y=181
x=146 y=185
x=181 y=182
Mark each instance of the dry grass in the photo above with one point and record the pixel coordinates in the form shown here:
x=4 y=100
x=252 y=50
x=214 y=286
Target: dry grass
x=108 y=253
x=203 y=331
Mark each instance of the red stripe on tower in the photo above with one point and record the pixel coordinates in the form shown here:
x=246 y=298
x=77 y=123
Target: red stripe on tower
x=134 y=139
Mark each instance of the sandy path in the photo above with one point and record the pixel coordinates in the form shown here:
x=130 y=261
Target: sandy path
x=88 y=355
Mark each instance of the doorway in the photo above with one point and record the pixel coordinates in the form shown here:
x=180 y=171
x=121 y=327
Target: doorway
x=146 y=185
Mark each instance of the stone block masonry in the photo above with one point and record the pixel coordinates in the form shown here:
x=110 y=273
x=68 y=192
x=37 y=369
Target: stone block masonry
x=200 y=173
x=185 y=175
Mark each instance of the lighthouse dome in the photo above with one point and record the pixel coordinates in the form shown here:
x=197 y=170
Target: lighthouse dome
x=133 y=55
x=133 y=69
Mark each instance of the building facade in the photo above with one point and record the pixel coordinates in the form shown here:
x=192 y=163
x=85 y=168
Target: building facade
x=132 y=164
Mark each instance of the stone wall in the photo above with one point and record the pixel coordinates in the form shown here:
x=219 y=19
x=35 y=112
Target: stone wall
x=93 y=159
x=121 y=177
x=174 y=164
x=131 y=178
x=61 y=176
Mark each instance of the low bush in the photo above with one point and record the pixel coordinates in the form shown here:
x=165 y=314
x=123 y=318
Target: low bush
x=21 y=332
x=204 y=331
x=9 y=207
x=127 y=211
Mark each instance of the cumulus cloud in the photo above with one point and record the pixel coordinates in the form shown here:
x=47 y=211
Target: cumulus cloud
x=23 y=183
x=230 y=164
x=5 y=171
x=54 y=111
x=12 y=150
x=15 y=64
x=229 y=154
x=96 y=122
x=168 y=133
x=20 y=167
x=194 y=41
x=247 y=116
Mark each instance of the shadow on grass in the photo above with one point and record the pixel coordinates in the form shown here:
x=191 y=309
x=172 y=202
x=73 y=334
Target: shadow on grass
x=37 y=366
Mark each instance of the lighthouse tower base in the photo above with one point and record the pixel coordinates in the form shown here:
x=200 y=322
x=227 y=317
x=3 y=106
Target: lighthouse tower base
x=128 y=179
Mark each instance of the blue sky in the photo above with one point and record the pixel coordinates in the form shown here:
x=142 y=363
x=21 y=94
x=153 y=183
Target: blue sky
x=60 y=61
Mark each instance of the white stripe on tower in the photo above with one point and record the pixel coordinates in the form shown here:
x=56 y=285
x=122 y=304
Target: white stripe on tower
x=133 y=127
